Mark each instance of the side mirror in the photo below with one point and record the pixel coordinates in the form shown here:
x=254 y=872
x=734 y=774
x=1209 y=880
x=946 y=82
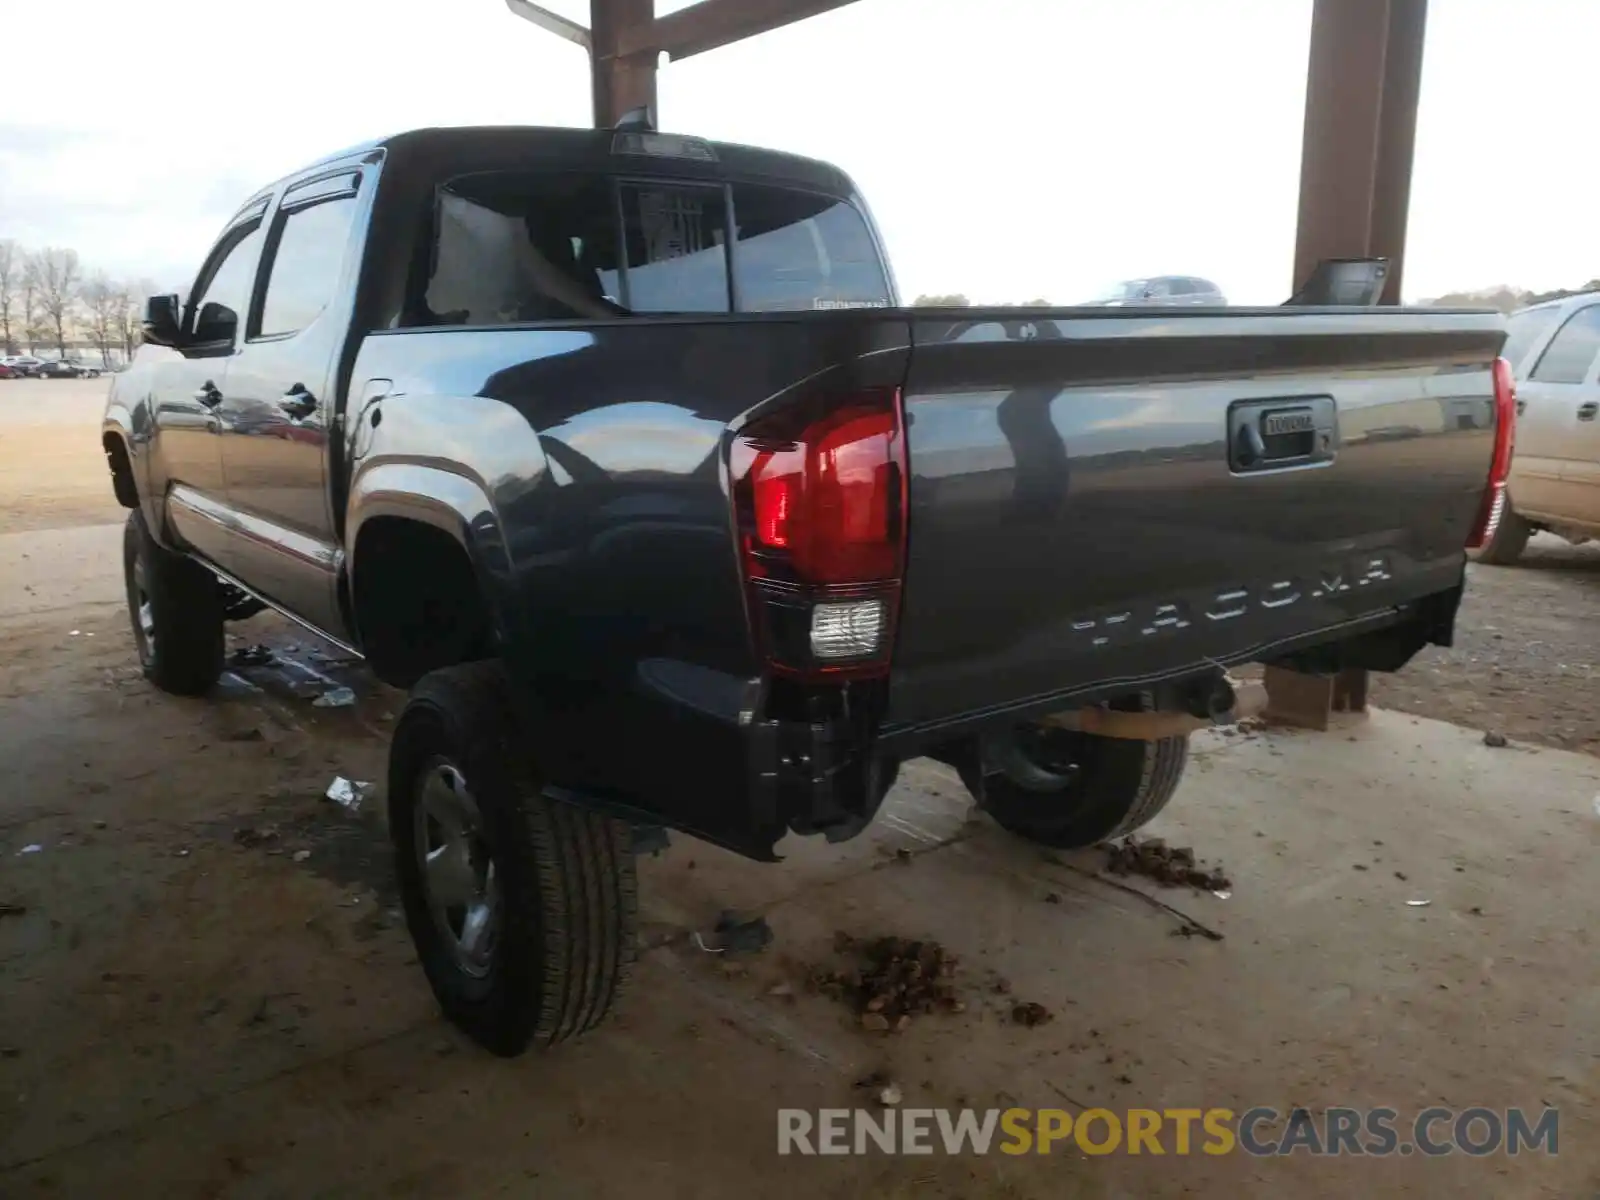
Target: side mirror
x=216 y=323
x=161 y=326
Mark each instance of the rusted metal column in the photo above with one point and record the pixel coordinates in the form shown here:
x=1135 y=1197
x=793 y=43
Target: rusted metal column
x=622 y=81
x=1397 y=137
x=1362 y=87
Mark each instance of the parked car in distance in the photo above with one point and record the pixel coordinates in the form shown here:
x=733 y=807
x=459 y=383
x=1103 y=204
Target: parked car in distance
x=65 y=369
x=23 y=364
x=1162 y=291
x=1554 y=351
x=9 y=372
x=618 y=450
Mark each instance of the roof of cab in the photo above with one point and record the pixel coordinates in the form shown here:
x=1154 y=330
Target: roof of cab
x=574 y=148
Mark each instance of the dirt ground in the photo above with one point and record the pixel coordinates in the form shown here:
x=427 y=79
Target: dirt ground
x=205 y=989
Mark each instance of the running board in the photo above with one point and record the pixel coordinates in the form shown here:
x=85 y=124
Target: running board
x=276 y=607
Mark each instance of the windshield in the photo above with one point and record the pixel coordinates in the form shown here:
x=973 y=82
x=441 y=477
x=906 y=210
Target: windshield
x=1131 y=289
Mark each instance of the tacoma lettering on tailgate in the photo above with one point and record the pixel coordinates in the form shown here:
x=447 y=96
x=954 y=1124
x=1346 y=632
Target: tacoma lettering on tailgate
x=1226 y=604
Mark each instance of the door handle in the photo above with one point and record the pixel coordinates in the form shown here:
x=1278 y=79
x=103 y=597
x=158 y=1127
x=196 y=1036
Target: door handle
x=298 y=403
x=1588 y=412
x=208 y=394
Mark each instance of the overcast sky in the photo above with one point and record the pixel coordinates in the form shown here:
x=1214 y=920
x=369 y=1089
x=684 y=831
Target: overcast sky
x=1010 y=148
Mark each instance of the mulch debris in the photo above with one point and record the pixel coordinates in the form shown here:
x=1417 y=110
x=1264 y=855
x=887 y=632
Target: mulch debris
x=894 y=980
x=1032 y=1014
x=250 y=837
x=1172 y=866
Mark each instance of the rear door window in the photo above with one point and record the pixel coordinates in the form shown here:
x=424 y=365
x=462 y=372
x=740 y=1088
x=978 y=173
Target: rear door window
x=799 y=251
x=306 y=265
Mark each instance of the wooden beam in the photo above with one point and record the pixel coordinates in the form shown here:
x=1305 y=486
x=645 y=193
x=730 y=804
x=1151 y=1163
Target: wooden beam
x=713 y=23
x=1250 y=699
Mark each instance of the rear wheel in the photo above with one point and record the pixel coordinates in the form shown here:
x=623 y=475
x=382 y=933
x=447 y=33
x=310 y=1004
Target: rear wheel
x=523 y=909
x=1509 y=541
x=175 y=606
x=1066 y=789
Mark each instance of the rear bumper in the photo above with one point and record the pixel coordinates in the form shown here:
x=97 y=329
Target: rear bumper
x=1384 y=640
x=714 y=767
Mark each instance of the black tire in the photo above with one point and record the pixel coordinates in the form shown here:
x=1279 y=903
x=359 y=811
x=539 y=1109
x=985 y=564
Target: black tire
x=1066 y=789
x=175 y=606
x=1509 y=541
x=564 y=896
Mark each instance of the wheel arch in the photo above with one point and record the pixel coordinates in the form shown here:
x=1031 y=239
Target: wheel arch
x=427 y=574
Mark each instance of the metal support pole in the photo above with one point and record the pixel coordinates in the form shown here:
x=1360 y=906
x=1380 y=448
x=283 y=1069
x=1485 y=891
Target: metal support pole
x=1360 y=132
x=622 y=82
x=1362 y=88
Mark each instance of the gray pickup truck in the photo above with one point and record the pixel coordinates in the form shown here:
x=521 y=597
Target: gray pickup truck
x=619 y=452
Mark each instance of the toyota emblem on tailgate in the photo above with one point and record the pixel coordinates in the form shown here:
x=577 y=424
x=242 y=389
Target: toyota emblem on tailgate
x=1294 y=420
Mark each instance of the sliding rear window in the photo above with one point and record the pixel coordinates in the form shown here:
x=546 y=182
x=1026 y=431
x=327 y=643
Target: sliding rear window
x=799 y=250
x=514 y=248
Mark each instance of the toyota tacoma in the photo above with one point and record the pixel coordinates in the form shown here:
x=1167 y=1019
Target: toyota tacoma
x=618 y=450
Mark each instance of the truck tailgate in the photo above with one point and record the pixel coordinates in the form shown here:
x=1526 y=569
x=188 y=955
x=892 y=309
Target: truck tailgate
x=1099 y=497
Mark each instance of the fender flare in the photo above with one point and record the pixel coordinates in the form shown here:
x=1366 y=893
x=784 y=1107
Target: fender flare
x=450 y=501
x=118 y=423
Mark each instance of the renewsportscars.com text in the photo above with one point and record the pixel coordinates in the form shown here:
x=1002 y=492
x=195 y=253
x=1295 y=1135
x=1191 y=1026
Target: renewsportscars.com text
x=1376 y=1132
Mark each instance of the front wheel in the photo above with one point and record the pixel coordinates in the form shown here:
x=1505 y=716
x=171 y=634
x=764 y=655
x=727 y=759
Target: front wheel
x=1066 y=789
x=523 y=909
x=175 y=606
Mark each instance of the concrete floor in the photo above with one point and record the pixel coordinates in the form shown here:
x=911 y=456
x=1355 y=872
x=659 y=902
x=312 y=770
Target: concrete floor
x=191 y=1016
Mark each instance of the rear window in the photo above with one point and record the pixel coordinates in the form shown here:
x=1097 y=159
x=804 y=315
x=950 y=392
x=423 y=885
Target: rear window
x=801 y=251
x=509 y=249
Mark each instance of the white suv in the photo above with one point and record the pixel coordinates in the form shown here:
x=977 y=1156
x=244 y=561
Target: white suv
x=1554 y=351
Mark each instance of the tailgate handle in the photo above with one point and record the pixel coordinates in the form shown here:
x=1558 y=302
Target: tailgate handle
x=1282 y=433
x=1588 y=412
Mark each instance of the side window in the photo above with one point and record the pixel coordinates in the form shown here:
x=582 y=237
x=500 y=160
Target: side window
x=230 y=281
x=306 y=265
x=1568 y=356
x=1523 y=332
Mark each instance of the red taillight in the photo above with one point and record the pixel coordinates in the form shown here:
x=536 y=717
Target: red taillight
x=1505 y=426
x=819 y=494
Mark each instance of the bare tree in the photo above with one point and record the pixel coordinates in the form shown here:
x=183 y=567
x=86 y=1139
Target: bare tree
x=102 y=310
x=13 y=263
x=57 y=276
x=32 y=330
x=130 y=298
